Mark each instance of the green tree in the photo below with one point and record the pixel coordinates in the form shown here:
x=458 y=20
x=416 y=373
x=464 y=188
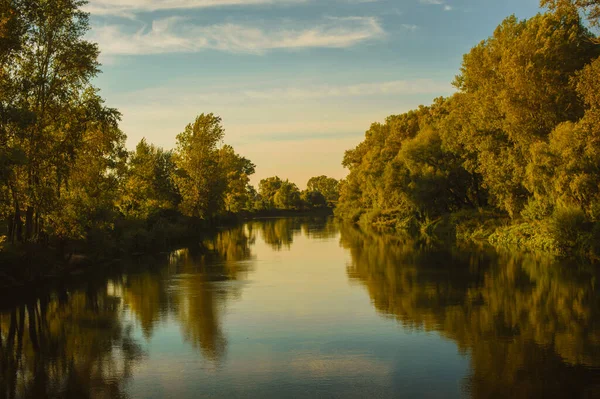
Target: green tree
x=237 y=171
x=439 y=184
x=326 y=186
x=590 y=7
x=517 y=87
x=149 y=185
x=564 y=171
x=87 y=201
x=199 y=176
x=56 y=105
x=267 y=188
x=287 y=196
x=313 y=199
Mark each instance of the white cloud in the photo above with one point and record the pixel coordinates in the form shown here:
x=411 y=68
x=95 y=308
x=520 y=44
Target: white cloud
x=447 y=7
x=287 y=93
x=418 y=86
x=178 y=35
x=130 y=7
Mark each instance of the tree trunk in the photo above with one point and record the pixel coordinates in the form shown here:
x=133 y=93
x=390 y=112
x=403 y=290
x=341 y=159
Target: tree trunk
x=18 y=223
x=29 y=223
x=11 y=228
x=36 y=228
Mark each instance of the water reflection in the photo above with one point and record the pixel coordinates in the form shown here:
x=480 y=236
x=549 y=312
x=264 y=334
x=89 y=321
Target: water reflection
x=531 y=328
x=67 y=345
x=79 y=343
x=193 y=289
x=279 y=233
x=225 y=319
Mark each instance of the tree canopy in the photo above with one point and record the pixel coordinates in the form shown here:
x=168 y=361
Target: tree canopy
x=519 y=136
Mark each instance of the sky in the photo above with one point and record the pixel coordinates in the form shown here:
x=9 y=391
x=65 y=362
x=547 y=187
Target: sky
x=296 y=82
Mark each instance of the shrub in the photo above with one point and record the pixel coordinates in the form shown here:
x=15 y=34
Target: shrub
x=568 y=226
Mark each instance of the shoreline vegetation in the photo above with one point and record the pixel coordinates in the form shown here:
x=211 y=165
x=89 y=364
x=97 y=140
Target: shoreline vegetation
x=33 y=265
x=70 y=192
x=511 y=159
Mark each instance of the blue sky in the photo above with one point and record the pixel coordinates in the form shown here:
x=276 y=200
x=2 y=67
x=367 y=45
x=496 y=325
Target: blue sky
x=297 y=82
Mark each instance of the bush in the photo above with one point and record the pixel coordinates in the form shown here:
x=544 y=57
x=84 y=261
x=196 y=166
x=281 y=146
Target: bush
x=527 y=235
x=569 y=227
x=536 y=210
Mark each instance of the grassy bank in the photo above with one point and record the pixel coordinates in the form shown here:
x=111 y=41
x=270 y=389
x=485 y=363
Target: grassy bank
x=565 y=233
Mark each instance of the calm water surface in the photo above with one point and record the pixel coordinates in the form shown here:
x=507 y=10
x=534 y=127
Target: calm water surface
x=288 y=308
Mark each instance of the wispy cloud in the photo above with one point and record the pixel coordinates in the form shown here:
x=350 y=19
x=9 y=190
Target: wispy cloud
x=130 y=7
x=293 y=108
x=418 y=86
x=275 y=122
x=179 y=35
x=447 y=7
x=285 y=93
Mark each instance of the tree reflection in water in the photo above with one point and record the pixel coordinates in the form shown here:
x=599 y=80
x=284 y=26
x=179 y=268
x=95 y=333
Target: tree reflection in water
x=531 y=328
x=193 y=289
x=67 y=345
x=279 y=233
x=80 y=343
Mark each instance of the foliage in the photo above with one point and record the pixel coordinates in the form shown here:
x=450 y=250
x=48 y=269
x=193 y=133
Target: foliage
x=51 y=119
x=520 y=138
x=287 y=196
x=326 y=186
x=275 y=193
x=237 y=171
x=149 y=184
x=199 y=177
x=67 y=183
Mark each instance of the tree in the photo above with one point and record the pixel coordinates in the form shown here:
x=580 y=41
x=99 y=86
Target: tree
x=564 y=171
x=439 y=183
x=199 y=176
x=379 y=179
x=326 y=186
x=517 y=89
x=237 y=171
x=149 y=185
x=45 y=122
x=287 y=196
x=313 y=199
x=267 y=188
x=87 y=201
x=590 y=7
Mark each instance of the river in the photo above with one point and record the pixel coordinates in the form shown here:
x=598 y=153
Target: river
x=306 y=307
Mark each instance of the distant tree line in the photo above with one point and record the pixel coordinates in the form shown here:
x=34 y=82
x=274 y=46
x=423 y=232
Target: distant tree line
x=65 y=174
x=274 y=193
x=519 y=143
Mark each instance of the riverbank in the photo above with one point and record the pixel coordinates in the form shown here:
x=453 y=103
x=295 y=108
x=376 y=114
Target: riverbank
x=36 y=264
x=565 y=234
